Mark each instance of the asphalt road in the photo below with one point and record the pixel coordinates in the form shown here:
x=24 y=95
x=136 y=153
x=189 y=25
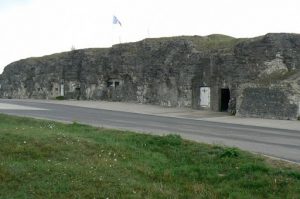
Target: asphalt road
x=284 y=144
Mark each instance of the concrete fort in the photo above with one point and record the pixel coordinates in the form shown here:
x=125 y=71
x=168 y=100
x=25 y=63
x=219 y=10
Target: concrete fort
x=256 y=77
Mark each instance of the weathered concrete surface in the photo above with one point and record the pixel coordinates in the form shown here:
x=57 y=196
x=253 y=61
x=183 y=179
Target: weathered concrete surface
x=169 y=72
x=272 y=103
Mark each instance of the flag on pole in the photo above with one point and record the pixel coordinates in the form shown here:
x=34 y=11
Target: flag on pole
x=116 y=21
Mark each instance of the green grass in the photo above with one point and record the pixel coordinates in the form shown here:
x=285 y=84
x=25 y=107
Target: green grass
x=277 y=77
x=210 y=43
x=44 y=159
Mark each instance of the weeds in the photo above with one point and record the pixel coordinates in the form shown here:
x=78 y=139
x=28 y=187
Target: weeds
x=230 y=153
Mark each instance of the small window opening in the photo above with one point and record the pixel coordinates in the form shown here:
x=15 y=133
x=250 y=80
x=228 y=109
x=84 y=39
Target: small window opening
x=113 y=83
x=109 y=84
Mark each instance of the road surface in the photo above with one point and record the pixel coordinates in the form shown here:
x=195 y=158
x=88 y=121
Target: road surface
x=281 y=143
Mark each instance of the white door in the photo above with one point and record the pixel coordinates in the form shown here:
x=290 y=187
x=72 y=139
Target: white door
x=205 y=96
x=62 y=90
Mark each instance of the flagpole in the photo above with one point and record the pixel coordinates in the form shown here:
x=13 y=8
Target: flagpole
x=112 y=34
x=148 y=32
x=116 y=21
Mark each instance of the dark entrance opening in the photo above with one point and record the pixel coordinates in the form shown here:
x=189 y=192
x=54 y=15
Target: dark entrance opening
x=225 y=97
x=77 y=93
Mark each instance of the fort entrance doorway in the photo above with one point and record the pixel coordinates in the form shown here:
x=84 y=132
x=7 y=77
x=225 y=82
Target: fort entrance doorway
x=224 y=99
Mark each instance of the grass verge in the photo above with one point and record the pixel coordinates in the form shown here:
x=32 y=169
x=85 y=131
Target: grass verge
x=44 y=159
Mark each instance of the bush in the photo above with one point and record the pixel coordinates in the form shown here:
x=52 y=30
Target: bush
x=60 y=98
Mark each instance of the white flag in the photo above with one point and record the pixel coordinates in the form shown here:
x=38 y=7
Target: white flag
x=116 y=21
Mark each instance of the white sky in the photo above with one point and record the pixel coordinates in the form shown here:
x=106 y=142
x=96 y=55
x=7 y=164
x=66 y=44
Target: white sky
x=39 y=27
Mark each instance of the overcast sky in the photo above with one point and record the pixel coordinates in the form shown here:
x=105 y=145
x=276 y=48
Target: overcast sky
x=39 y=27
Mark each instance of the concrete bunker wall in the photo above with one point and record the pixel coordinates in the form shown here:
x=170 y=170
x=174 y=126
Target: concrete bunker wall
x=167 y=72
x=266 y=103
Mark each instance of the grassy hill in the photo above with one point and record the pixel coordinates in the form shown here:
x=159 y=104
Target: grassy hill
x=45 y=159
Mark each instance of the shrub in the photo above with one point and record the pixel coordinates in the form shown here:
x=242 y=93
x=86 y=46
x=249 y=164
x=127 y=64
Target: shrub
x=60 y=98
